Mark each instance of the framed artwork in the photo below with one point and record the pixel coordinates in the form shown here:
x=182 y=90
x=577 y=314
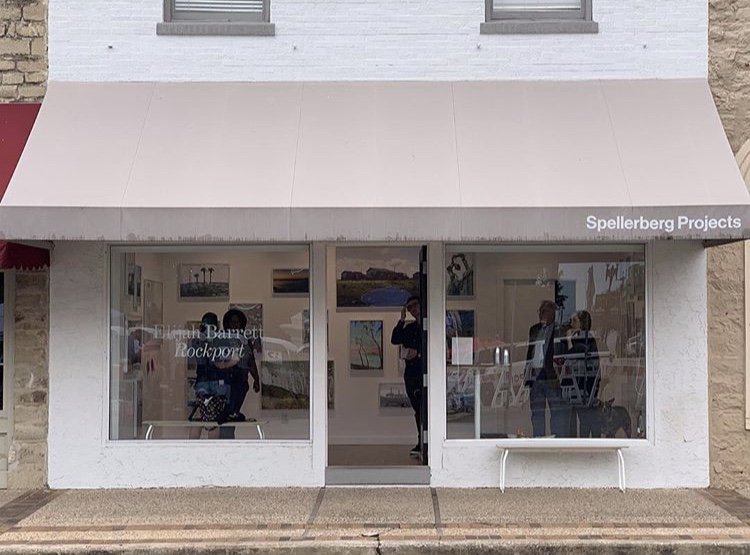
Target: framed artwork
x=291 y=283
x=459 y=393
x=459 y=280
x=254 y=314
x=331 y=385
x=366 y=345
x=393 y=396
x=459 y=323
x=153 y=305
x=203 y=282
x=286 y=385
x=381 y=278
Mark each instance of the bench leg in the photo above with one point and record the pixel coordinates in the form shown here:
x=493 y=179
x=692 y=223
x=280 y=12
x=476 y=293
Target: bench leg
x=259 y=427
x=150 y=431
x=503 y=460
x=621 y=469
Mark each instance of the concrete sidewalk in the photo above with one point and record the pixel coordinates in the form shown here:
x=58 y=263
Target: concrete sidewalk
x=374 y=520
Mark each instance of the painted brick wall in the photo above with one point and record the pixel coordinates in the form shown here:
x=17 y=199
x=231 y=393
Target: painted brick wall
x=23 y=50
x=115 y=40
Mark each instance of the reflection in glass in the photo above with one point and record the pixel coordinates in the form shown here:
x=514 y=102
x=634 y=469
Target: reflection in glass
x=550 y=344
x=205 y=346
x=2 y=337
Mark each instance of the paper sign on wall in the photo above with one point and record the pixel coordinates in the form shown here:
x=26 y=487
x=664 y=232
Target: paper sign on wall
x=462 y=350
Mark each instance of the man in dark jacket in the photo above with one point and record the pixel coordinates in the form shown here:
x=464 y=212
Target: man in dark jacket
x=542 y=378
x=409 y=336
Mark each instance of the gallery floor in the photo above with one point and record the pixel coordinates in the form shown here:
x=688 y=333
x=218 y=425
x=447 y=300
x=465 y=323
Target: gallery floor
x=370 y=455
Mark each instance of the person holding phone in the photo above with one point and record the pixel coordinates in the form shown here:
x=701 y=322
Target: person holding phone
x=409 y=337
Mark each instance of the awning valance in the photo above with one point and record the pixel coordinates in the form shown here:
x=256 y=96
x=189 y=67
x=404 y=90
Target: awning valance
x=22 y=257
x=359 y=161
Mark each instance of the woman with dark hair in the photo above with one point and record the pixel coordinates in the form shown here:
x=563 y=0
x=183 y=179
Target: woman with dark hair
x=232 y=356
x=580 y=342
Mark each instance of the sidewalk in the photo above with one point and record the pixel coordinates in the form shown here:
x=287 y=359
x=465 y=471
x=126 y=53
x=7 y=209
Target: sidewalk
x=374 y=521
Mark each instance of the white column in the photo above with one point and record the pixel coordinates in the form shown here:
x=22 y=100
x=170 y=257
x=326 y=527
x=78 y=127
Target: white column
x=436 y=351
x=318 y=361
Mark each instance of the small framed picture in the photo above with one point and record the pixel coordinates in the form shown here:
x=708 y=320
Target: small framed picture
x=365 y=345
x=459 y=280
x=393 y=396
x=204 y=282
x=291 y=283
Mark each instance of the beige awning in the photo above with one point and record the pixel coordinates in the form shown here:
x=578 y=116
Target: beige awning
x=461 y=161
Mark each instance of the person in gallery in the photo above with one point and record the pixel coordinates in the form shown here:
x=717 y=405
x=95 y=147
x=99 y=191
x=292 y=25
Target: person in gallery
x=541 y=377
x=409 y=337
x=580 y=345
x=236 y=367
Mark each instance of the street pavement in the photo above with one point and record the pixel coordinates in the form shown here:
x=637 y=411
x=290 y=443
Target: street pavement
x=374 y=520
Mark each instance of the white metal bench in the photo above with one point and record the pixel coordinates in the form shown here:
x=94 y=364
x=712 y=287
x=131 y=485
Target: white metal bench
x=560 y=445
x=152 y=424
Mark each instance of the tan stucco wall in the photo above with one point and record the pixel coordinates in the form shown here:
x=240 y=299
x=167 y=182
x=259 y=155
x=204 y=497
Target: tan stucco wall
x=729 y=76
x=27 y=460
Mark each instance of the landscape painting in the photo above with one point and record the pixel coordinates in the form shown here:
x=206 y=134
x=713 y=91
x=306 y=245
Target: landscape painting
x=292 y=283
x=376 y=277
x=366 y=344
x=204 y=282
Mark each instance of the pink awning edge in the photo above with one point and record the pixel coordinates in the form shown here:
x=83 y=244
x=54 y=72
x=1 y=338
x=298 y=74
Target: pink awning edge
x=16 y=121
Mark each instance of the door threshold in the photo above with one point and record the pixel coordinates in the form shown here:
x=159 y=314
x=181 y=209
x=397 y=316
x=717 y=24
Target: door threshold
x=377 y=475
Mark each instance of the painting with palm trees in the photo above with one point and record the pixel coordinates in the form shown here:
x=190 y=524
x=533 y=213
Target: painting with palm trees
x=366 y=344
x=204 y=282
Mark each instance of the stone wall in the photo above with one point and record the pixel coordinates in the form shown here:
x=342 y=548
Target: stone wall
x=27 y=460
x=729 y=76
x=23 y=50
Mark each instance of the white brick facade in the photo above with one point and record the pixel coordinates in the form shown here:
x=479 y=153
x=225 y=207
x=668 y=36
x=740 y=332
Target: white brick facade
x=115 y=40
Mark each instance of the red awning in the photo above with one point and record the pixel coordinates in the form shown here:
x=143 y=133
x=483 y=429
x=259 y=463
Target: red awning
x=16 y=121
x=22 y=257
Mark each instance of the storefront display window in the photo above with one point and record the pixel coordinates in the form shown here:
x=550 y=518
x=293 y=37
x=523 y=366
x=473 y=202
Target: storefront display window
x=546 y=342
x=210 y=343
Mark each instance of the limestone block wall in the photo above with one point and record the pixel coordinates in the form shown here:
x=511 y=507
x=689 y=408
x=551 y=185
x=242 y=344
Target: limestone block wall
x=27 y=460
x=729 y=76
x=23 y=50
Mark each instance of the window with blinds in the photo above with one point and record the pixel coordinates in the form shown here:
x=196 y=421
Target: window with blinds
x=219 y=10
x=539 y=9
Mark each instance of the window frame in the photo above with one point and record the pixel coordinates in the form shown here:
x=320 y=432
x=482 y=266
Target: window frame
x=178 y=22
x=539 y=21
x=648 y=422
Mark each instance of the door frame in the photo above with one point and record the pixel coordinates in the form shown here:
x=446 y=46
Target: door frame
x=319 y=330
x=7 y=413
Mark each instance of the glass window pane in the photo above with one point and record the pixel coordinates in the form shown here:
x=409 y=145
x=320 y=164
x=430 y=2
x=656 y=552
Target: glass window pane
x=207 y=336
x=2 y=337
x=536 y=5
x=545 y=342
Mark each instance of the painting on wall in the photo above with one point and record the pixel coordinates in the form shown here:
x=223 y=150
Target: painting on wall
x=291 y=283
x=459 y=280
x=393 y=396
x=366 y=345
x=153 y=305
x=203 y=282
x=331 y=385
x=286 y=385
x=254 y=314
x=381 y=278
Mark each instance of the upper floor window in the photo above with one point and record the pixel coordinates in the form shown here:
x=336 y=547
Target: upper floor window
x=538 y=16
x=216 y=17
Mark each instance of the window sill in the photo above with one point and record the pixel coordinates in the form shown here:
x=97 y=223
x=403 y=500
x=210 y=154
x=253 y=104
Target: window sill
x=187 y=28
x=537 y=27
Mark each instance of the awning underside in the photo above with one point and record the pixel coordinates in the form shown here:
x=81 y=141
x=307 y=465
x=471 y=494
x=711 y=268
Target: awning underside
x=375 y=161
